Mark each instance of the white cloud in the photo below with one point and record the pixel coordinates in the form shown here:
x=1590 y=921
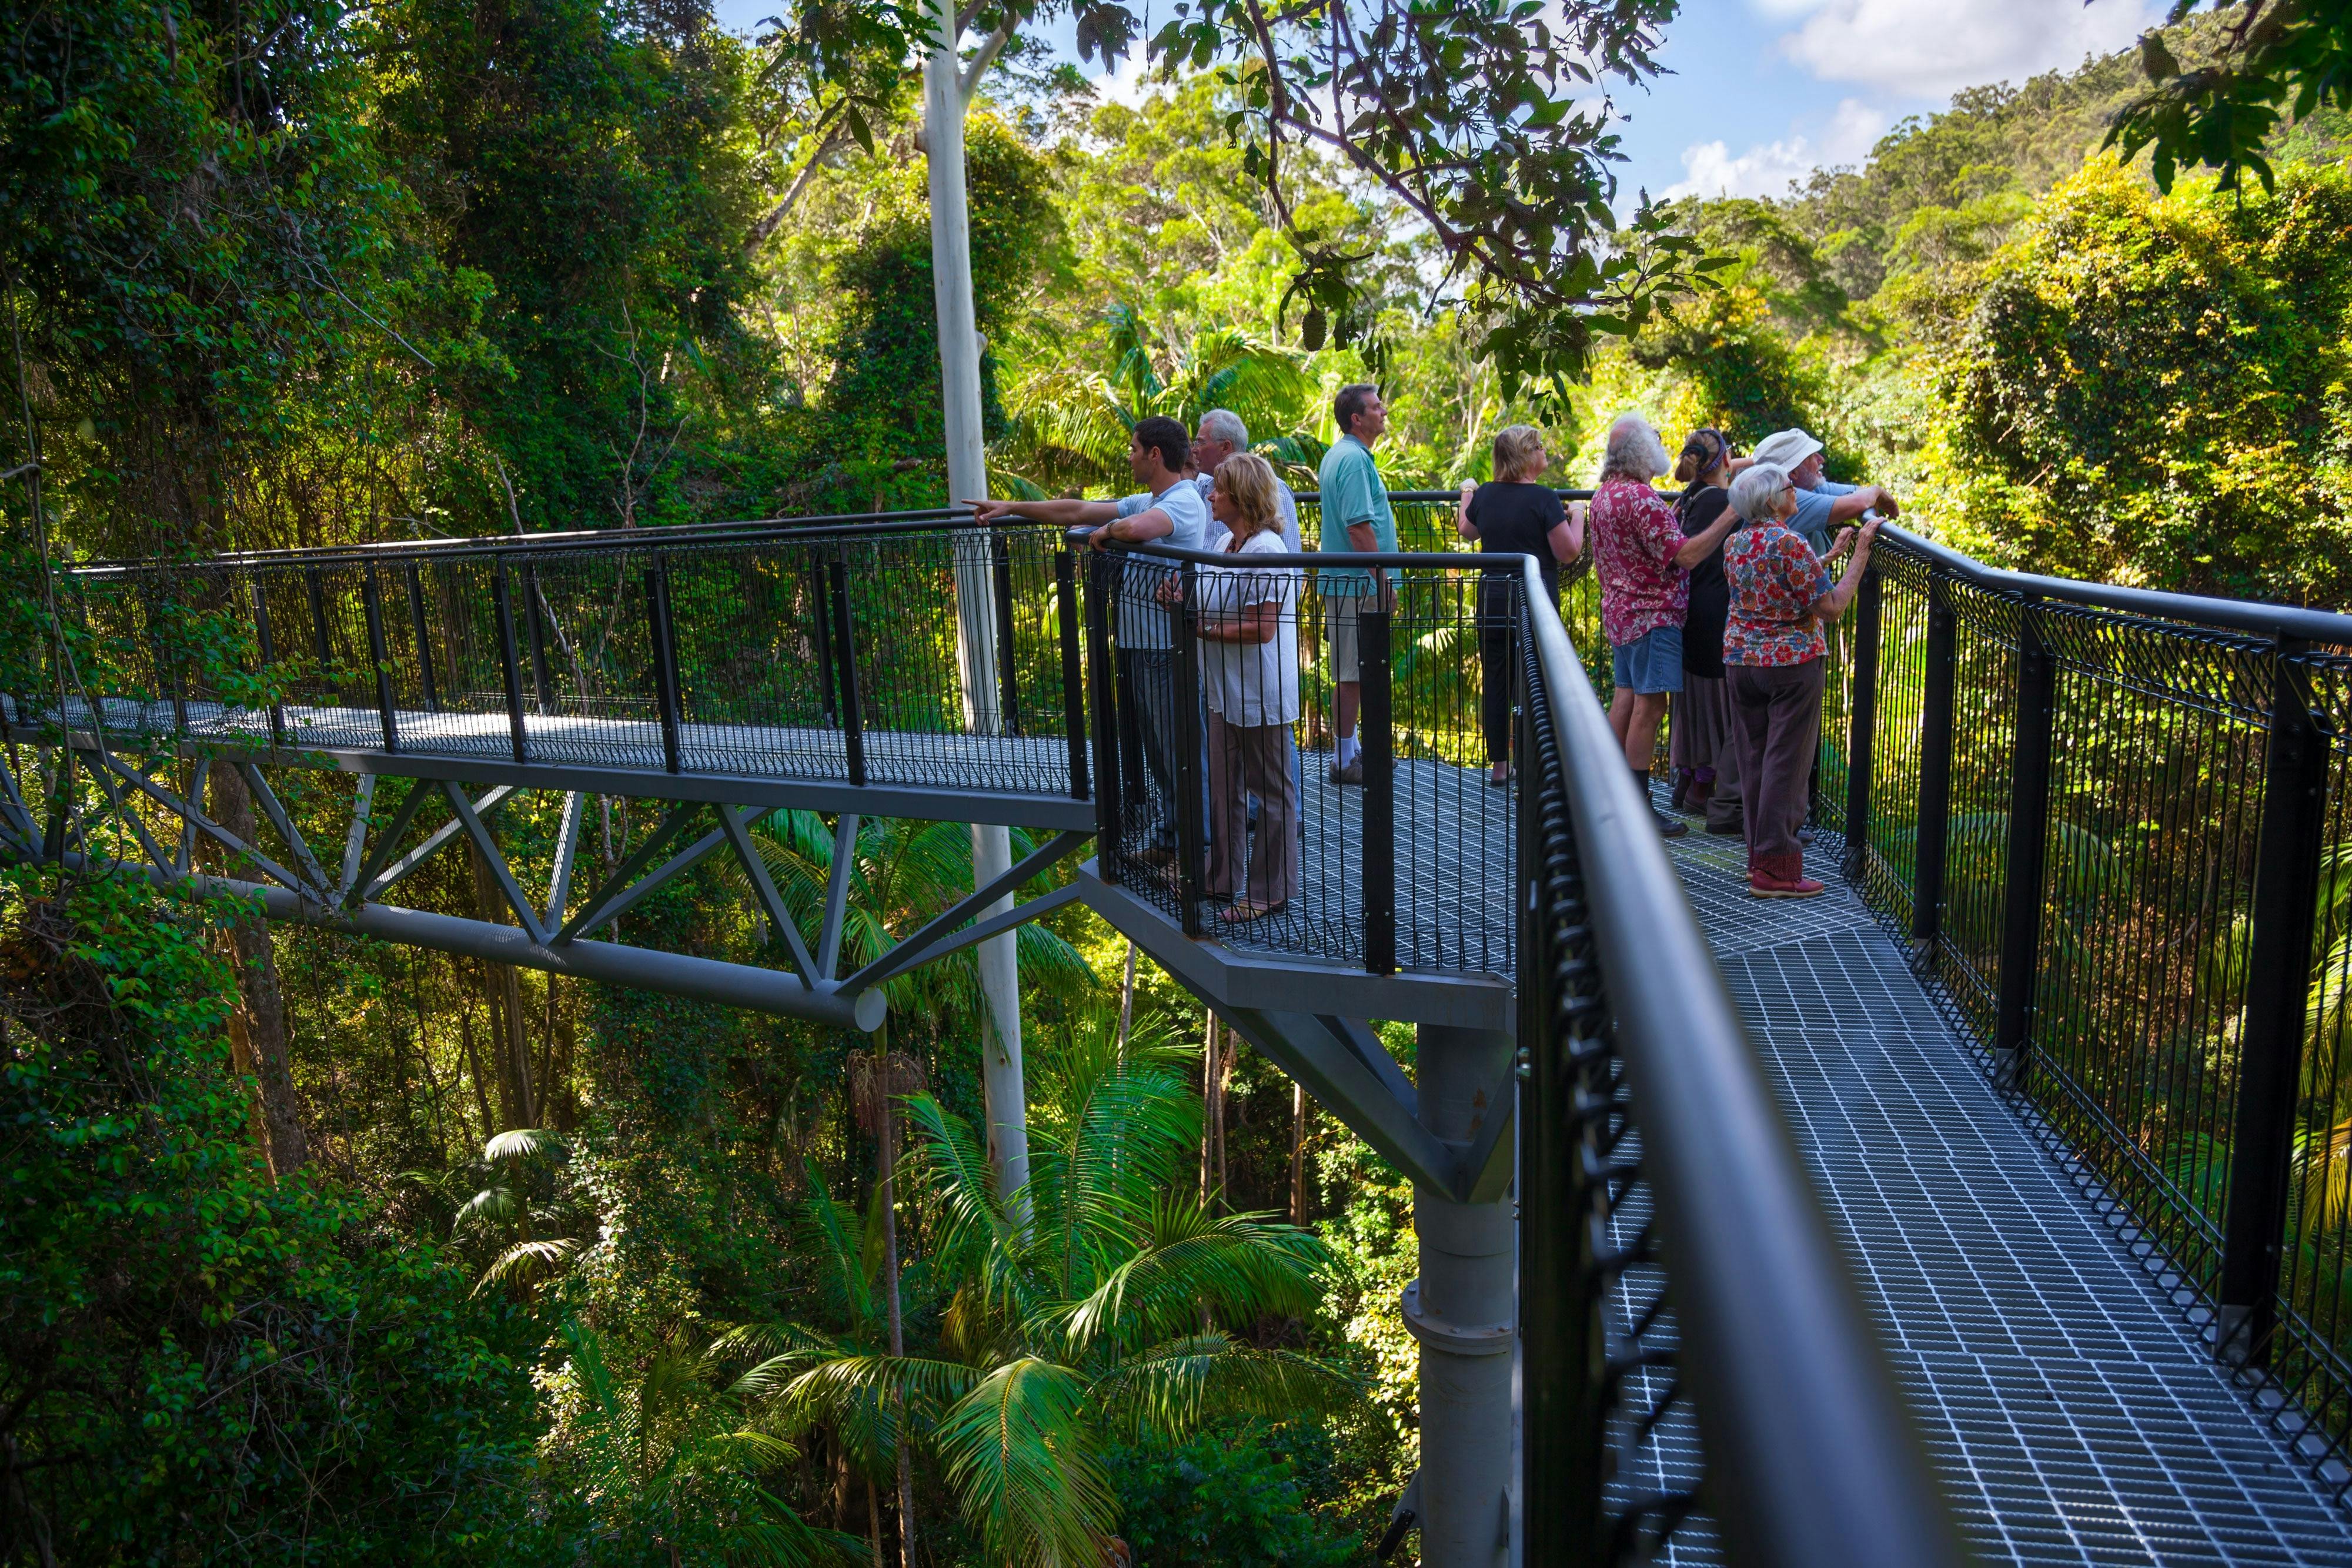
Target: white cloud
x=1928 y=48
x=1128 y=82
x=1709 y=169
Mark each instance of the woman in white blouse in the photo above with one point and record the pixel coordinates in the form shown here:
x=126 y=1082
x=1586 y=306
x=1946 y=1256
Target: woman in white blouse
x=1249 y=666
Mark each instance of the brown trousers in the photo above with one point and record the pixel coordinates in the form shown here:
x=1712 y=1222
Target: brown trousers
x=1776 y=728
x=1245 y=760
x=1702 y=732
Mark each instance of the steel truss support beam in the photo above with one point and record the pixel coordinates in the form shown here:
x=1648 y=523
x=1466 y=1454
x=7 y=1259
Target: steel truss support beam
x=1342 y=1064
x=433 y=842
x=927 y=942
x=236 y=847
x=543 y=940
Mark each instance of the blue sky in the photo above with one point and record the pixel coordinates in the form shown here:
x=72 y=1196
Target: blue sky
x=1766 y=90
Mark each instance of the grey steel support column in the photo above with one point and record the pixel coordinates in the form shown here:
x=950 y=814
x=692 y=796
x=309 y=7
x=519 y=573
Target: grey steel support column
x=1460 y=1312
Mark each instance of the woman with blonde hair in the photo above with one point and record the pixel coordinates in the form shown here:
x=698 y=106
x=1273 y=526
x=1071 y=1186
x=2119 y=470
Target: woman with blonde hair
x=1248 y=625
x=1512 y=515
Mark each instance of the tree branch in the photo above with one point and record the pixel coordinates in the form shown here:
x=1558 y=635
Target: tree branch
x=985 y=59
x=774 y=217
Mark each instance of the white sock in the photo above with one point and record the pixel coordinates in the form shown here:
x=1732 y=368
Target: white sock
x=1347 y=750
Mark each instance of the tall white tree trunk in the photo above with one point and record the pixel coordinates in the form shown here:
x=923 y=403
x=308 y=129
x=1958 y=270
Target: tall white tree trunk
x=992 y=852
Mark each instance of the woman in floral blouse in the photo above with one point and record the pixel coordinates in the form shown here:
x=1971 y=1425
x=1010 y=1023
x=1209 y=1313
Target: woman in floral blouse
x=1772 y=657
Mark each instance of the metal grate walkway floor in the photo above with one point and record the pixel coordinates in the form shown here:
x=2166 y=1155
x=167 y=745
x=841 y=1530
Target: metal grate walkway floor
x=2073 y=1413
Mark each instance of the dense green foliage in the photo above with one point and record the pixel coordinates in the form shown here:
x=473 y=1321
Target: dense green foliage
x=2057 y=366
x=605 y=1277
x=204 y=1366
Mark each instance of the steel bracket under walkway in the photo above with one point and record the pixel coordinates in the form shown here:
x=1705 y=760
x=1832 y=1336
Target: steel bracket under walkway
x=1308 y=1018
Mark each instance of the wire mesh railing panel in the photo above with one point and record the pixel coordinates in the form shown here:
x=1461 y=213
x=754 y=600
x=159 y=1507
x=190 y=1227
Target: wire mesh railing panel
x=1984 y=740
x=2155 y=803
x=1888 y=863
x=757 y=692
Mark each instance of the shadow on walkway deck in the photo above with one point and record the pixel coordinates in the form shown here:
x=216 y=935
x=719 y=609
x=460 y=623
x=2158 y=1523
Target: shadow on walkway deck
x=2073 y=1413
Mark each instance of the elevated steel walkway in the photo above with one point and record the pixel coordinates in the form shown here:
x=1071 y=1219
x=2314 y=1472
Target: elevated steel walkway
x=2006 y=1185
x=2057 y=1362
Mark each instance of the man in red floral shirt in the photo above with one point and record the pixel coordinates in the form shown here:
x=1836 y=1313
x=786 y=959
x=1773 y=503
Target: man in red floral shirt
x=1643 y=563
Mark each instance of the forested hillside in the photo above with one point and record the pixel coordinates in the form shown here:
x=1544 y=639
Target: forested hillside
x=324 y=1250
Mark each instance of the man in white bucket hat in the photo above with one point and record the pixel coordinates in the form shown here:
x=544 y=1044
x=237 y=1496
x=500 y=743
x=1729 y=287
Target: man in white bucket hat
x=1821 y=504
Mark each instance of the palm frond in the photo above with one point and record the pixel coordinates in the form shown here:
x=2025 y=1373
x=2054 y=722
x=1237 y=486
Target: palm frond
x=1240 y=1263
x=1024 y=1467
x=524 y=1144
x=529 y=1262
x=494 y=1204
x=1175 y=1387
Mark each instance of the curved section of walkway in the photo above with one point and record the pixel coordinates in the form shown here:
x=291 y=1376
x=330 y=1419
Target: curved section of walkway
x=2073 y=1413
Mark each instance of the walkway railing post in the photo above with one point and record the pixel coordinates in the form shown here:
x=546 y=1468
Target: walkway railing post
x=424 y=640
x=372 y=597
x=268 y=657
x=1862 y=725
x=1375 y=724
x=1192 y=830
x=2287 y=860
x=845 y=657
x=1934 y=818
x=664 y=642
x=1110 y=803
x=1074 y=698
x=1008 y=676
x=2029 y=839
x=541 y=687
x=509 y=662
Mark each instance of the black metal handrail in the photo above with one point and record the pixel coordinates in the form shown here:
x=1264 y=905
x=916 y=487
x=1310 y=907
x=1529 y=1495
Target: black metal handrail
x=1643 y=1102
x=742 y=652
x=2116 y=826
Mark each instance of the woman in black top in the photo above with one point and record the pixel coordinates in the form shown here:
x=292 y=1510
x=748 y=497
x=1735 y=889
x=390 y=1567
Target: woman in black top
x=1512 y=515
x=1707 y=776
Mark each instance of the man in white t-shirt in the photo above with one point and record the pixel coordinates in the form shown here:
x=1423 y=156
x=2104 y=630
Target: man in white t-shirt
x=1172 y=513
x=1222 y=434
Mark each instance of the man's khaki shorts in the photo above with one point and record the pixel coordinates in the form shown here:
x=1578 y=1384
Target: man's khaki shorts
x=1339 y=625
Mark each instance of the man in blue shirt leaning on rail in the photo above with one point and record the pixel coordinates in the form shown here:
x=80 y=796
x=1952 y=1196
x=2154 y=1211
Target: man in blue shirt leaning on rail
x=1356 y=519
x=1178 y=516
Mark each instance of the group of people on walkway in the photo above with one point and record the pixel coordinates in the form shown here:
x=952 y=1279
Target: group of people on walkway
x=1713 y=604
x=1716 y=604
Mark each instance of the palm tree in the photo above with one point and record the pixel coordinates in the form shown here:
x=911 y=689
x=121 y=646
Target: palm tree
x=668 y=1457
x=500 y=1213
x=1106 y=1315
x=1071 y=420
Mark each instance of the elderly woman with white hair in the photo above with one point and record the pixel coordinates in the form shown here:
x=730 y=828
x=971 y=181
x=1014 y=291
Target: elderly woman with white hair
x=1643 y=561
x=1773 y=658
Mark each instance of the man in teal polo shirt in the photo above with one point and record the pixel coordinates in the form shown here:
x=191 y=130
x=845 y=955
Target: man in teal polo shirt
x=1355 y=520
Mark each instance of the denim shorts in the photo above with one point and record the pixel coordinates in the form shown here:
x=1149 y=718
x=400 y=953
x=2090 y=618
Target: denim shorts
x=1651 y=663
